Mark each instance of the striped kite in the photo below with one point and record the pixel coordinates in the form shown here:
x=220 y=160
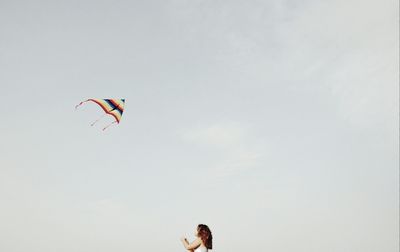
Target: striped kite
x=114 y=107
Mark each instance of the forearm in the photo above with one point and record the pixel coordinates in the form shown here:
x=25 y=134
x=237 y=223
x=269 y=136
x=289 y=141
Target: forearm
x=190 y=246
x=185 y=244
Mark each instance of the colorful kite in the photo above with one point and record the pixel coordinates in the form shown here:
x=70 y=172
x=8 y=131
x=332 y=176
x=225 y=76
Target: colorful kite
x=114 y=107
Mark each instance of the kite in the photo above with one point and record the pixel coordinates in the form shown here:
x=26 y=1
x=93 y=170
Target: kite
x=114 y=107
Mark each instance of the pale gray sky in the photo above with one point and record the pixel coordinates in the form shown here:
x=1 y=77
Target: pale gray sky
x=274 y=122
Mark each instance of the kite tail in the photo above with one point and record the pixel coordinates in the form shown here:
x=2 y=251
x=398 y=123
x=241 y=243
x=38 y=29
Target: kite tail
x=82 y=102
x=109 y=125
x=97 y=120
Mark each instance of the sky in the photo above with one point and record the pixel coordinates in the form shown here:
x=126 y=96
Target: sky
x=274 y=122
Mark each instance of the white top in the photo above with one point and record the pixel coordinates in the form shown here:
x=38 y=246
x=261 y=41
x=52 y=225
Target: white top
x=202 y=249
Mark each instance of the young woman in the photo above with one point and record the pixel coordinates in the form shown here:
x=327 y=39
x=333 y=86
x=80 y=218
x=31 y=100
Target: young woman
x=203 y=241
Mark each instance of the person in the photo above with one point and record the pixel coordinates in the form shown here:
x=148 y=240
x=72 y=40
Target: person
x=202 y=243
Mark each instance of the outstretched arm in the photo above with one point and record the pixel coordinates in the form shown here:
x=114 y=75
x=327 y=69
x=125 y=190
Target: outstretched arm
x=191 y=246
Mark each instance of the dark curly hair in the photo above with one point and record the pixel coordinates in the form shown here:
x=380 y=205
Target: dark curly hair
x=204 y=232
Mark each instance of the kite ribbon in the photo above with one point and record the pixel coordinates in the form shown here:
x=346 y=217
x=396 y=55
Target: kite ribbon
x=80 y=104
x=109 y=125
x=97 y=120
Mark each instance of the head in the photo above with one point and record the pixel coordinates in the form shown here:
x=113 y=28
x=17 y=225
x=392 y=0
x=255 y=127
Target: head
x=204 y=233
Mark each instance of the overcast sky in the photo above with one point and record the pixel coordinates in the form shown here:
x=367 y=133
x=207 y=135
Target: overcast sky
x=274 y=122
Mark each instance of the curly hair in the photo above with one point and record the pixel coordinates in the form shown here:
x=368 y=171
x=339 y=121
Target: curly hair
x=204 y=232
